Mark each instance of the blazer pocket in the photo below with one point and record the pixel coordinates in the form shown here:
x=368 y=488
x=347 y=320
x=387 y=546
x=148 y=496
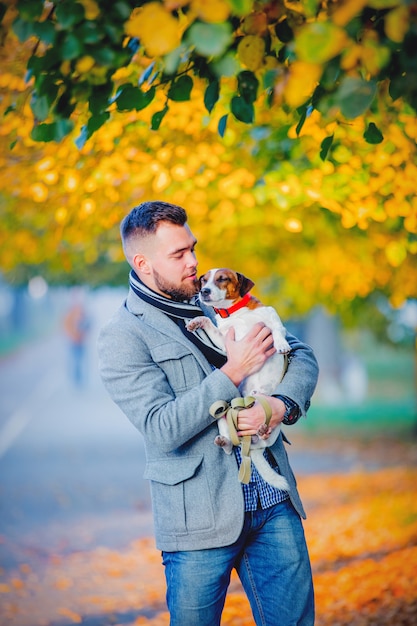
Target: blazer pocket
x=179 y=364
x=181 y=498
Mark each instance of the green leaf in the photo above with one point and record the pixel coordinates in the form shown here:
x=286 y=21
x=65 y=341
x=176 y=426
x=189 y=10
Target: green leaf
x=104 y=56
x=131 y=97
x=318 y=42
x=62 y=128
x=121 y=9
x=71 y=47
x=325 y=146
x=45 y=31
x=221 y=128
x=211 y=95
x=96 y=121
x=23 y=29
x=99 y=98
x=69 y=13
x=331 y=74
x=171 y=61
x=65 y=105
x=241 y=7
x=248 y=84
x=355 y=96
x=242 y=110
x=318 y=94
x=52 y=132
x=180 y=89
x=158 y=117
x=302 y=120
x=210 y=40
x=311 y=7
x=89 y=32
x=383 y=4
x=40 y=107
x=284 y=32
x=227 y=65
x=46 y=86
x=30 y=9
x=398 y=86
x=372 y=134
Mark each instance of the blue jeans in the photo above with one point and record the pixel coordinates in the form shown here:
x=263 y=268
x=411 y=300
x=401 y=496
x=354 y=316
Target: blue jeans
x=273 y=565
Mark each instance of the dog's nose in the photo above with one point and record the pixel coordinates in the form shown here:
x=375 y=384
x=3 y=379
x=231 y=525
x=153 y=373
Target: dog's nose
x=205 y=291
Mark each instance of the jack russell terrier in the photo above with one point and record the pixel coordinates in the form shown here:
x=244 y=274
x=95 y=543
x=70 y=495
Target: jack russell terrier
x=228 y=292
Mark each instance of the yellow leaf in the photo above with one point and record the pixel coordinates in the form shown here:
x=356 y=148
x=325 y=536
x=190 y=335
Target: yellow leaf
x=347 y=11
x=255 y=23
x=84 y=64
x=397 y=23
x=61 y=215
x=251 y=50
x=396 y=253
x=319 y=42
x=374 y=56
x=157 y=29
x=91 y=9
x=38 y=192
x=211 y=11
x=302 y=80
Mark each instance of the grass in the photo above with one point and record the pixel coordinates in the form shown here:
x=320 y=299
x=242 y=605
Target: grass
x=391 y=399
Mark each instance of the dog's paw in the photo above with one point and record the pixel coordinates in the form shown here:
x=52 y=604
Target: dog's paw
x=224 y=443
x=283 y=348
x=264 y=431
x=196 y=323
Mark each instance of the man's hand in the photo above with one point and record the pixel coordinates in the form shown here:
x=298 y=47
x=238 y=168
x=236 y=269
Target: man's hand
x=249 y=421
x=246 y=356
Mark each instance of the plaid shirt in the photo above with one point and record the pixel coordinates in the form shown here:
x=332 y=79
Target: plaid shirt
x=258 y=493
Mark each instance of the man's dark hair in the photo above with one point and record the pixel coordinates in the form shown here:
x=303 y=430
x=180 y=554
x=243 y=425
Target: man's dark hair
x=144 y=219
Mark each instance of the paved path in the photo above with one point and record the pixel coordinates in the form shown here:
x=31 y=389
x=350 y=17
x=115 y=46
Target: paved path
x=71 y=464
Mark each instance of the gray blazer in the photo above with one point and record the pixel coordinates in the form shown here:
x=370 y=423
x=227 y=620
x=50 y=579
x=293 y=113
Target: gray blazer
x=165 y=386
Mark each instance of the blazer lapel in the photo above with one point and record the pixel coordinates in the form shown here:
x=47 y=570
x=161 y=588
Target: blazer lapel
x=162 y=324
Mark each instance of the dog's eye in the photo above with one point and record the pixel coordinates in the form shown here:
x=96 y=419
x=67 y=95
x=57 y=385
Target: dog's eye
x=223 y=279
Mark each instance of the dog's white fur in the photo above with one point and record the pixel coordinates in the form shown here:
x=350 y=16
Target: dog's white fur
x=221 y=289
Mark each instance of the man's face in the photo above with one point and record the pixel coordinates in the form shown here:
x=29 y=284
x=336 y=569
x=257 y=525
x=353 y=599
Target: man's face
x=171 y=265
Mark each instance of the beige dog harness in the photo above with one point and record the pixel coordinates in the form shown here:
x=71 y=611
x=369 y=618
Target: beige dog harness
x=230 y=412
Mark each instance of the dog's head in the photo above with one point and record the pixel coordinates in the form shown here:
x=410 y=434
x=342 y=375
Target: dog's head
x=221 y=288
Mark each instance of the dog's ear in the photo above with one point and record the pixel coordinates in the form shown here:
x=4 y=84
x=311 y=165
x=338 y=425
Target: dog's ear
x=245 y=284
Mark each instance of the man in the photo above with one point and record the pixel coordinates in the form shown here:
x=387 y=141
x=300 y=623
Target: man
x=165 y=380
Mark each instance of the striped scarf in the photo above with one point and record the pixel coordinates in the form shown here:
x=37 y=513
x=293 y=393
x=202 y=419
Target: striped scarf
x=180 y=313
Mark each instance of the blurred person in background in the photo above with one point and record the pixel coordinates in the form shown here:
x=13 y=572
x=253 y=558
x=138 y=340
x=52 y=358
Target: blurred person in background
x=76 y=325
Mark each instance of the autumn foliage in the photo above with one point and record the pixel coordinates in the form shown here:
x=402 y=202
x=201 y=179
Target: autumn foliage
x=361 y=531
x=318 y=197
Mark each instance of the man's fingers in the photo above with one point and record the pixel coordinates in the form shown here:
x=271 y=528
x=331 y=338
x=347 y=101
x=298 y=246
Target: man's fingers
x=256 y=330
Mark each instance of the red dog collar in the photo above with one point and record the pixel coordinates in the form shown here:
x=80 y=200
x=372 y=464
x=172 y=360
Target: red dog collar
x=239 y=305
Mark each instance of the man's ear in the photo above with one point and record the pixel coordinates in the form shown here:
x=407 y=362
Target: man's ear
x=141 y=264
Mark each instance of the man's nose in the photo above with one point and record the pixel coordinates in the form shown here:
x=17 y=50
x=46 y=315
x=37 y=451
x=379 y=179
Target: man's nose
x=191 y=259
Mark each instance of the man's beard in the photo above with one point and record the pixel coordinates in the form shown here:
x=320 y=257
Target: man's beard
x=184 y=292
